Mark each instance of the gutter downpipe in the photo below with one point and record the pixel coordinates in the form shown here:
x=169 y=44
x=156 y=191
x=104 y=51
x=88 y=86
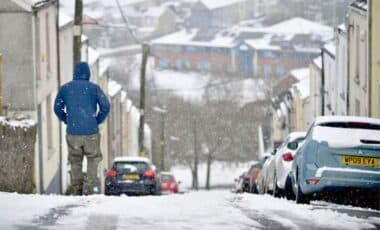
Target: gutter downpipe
x=59 y=85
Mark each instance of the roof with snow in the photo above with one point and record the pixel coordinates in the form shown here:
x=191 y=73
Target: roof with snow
x=113 y=87
x=64 y=19
x=93 y=55
x=300 y=74
x=187 y=37
x=318 y=62
x=330 y=48
x=292 y=27
x=303 y=84
x=214 y=4
x=303 y=87
x=27 y=5
x=360 y=4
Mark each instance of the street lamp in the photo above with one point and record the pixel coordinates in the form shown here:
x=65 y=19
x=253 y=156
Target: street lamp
x=163 y=112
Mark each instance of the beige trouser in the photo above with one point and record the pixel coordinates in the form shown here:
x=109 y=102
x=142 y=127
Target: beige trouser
x=78 y=147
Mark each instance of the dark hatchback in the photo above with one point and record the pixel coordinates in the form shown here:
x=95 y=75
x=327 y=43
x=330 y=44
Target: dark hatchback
x=132 y=176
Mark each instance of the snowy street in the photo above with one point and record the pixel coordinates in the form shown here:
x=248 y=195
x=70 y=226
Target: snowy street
x=195 y=210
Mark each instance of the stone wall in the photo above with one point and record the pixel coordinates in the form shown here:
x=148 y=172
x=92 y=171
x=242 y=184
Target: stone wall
x=17 y=154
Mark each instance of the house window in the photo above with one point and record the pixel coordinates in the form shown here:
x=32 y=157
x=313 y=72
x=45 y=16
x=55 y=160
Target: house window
x=187 y=64
x=163 y=63
x=203 y=66
x=179 y=64
x=267 y=70
x=47 y=32
x=280 y=70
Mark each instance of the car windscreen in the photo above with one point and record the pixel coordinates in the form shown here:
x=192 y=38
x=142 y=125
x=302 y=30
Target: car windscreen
x=352 y=125
x=131 y=166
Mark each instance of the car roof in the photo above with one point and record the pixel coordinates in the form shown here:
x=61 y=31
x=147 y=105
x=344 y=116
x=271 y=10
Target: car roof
x=327 y=119
x=133 y=159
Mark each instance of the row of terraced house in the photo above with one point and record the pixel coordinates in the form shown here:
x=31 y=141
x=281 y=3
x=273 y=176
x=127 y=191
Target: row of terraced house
x=343 y=80
x=35 y=64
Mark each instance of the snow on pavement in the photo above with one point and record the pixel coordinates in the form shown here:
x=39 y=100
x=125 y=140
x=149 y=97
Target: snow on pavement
x=195 y=210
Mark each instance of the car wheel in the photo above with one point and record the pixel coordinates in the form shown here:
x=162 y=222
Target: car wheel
x=254 y=189
x=289 y=194
x=276 y=192
x=300 y=197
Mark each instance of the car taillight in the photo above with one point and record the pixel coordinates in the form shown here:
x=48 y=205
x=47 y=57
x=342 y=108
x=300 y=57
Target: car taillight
x=111 y=173
x=312 y=181
x=287 y=156
x=149 y=174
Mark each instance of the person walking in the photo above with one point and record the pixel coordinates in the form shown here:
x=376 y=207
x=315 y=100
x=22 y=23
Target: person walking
x=82 y=106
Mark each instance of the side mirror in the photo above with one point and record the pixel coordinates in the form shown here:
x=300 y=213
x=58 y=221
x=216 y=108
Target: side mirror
x=179 y=182
x=236 y=180
x=293 y=145
x=274 y=152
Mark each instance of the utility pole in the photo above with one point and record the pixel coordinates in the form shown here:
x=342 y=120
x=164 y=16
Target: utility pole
x=1 y=86
x=78 y=18
x=196 y=157
x=145 y=48
x=163 y=141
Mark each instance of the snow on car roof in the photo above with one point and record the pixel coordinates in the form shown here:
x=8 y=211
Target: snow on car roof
x=167 y=173
x=138 y=159
x=326 y=119
x=296 y=135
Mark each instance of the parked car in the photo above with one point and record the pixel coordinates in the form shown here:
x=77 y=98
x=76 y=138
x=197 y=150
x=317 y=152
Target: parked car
x=253 y=173
x=132 y=176
x=280 y=166
x=168 y=183
x=261 y=182
x=340 y=153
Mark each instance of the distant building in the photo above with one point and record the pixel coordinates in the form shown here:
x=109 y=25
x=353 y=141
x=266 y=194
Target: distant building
x=208 y=14
x=375 y=58
x=358 y=58
x=246 y=51
x=152 y=22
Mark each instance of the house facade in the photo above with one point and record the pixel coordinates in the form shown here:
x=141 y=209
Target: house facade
x=31 y=67
x=330 y=93
x=341 y=69
x=358 y=59
x=315 y=87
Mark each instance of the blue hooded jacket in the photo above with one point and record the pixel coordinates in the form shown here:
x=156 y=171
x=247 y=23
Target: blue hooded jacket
x=77 y=103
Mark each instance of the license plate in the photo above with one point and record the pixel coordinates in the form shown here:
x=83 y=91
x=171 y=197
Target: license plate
x=360 y=161
x=131 y=177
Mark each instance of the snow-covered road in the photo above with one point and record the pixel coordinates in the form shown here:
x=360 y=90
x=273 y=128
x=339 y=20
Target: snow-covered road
x=194 y=210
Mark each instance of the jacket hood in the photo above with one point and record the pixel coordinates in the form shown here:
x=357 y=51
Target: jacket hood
x=82 y=71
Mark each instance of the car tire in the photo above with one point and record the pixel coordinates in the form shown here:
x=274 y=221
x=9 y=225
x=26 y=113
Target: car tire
x=300 y=197
x=254 y=189
x=276 y=191
x=289 y=193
